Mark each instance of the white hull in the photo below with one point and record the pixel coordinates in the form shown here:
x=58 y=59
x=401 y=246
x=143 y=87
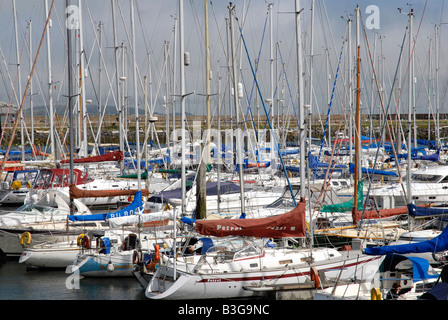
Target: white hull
x=50 y=257
x=237 y=284
x=119 y=264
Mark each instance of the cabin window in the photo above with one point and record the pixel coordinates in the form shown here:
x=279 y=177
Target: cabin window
x=247 y=252
x=254 y=265
x=444 y=180
x=285 y=261
x=425 y=177
x=58 y=181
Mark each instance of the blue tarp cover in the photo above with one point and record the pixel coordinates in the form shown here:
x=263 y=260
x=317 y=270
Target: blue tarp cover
x=416 y=211
x=374 y=171
x=131 y=209
x=420 y=266
x=437 y=244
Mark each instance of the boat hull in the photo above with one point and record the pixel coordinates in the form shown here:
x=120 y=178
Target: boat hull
x=120 y=264
x=254 y=283
x=49 y=258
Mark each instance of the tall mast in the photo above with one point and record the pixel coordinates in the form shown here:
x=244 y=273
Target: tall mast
x=357 y=175
x=134 y=71
x=239 y=149
x=409 y=144
x=201 y=191
x=82 y=96
x=117 y=79
x=300 y=74
x=167 y=95
x=271 y=67
x=182 y=101
x=19 y=79
x=31 y=83
x=100 y=47
x=71 y=100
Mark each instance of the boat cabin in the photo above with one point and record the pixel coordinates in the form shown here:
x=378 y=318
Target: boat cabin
x=53 y=178
x=18 y=179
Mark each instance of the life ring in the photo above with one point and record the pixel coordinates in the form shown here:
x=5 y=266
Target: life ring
x=25 y=238
x=295 y=161
x=16 y=185
x=315 y=277
x=375 y=294
x=79 y=241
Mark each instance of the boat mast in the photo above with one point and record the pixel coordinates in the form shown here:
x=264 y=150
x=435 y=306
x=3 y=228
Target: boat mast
x=30 y=44
x=82 y=95
x=357 y=175
x=19 y=80
x=201 y=193
x=70 y=99
x=239 y=149
x=300 y=74
x=134 y=69
x=117 y=79
x=409 y=144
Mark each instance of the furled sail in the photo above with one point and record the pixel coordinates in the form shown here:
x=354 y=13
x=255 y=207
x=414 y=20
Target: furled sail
x=421 y=211
x=110 y=156
x=133 y=208
x=378 y=214
x=77 y=193
x=436 y=244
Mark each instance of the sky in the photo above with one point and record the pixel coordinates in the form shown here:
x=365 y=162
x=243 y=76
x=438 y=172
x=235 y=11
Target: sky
x=157 y=23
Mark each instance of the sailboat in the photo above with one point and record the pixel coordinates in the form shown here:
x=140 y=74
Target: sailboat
x=253 y=269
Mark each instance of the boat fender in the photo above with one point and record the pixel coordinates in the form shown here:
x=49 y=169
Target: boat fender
x=25 y=238
x=86 y=242
x=110 y=267
x=16 y=184
x=167 y=207
x=80 y=237
x=136 y=257
x=315 y=277
x=157 y=255
x=375 y=294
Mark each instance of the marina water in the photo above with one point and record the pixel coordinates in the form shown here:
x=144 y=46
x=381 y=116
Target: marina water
x=19 y=282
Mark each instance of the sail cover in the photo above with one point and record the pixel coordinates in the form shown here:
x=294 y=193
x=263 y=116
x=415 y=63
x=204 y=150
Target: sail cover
x=110 y=156
x=77 y=193
x=437 y=244
x=289 y=224
x=347 y=205
x=378 y=214
x=419 y=211
x=133 y=208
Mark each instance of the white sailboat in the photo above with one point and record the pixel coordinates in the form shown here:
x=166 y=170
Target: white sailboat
x=253 y=270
